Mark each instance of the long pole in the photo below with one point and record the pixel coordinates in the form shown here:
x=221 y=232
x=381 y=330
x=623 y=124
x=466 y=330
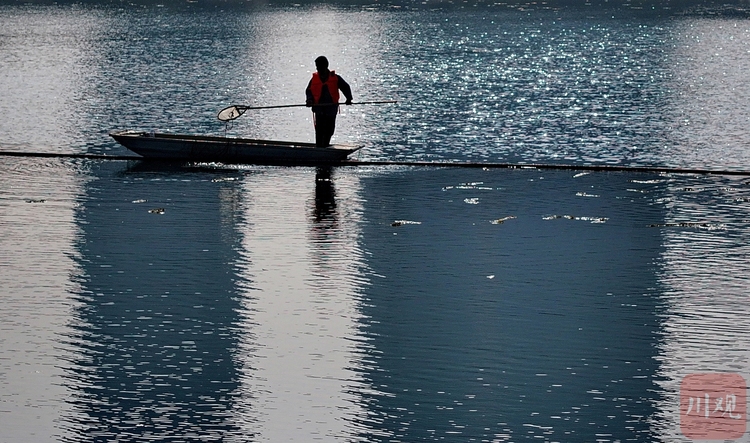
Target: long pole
x=232 y=112
x=323 y=104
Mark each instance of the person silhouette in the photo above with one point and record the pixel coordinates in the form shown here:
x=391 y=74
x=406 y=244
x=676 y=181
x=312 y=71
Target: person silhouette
x=323 y=96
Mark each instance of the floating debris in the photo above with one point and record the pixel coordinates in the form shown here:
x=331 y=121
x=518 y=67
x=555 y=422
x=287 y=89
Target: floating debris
x=681 y=225
x=581 y=174
x=472 y=201
x=36 y=201
x=156 y=211
x=405 y=222
x=491 y=276
x=469 y=186
x=224 y=179
x=502 y=220
x=647 y=181
x=573 y=217
x=140 y=201
x=583 y=194
x=593 y=219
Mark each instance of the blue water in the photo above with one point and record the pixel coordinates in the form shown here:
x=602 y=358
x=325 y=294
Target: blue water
x=150 y=302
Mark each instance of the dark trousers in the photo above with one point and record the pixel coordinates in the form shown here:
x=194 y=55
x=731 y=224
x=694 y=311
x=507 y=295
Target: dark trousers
x=324 y=127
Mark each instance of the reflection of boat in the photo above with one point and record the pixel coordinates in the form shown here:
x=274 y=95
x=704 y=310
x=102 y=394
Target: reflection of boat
x=206 y=148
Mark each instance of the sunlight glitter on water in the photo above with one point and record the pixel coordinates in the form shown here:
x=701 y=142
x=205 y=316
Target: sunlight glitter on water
x=37 y=251
x=301 y=309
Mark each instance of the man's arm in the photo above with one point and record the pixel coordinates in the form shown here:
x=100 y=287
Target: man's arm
x=309 y=97
x=346 y=89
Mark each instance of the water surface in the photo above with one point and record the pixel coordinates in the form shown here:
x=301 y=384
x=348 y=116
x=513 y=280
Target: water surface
x=206 y=302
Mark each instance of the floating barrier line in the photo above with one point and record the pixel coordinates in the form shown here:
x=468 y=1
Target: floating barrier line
x=567 y=167
x=548 y=166
x=63 y=155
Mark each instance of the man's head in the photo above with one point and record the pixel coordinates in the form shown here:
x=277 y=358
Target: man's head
x=321 y=63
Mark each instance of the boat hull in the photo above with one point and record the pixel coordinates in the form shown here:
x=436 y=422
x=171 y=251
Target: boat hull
x=203 y=148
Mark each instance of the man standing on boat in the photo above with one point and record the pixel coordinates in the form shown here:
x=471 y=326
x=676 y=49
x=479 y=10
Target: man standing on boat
x=323 y=96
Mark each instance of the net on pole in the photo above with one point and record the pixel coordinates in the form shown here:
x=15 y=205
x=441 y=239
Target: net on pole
x=230 y=113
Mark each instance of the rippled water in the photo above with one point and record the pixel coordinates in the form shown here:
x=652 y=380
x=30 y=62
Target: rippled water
x=485 y=84
x=191 y=303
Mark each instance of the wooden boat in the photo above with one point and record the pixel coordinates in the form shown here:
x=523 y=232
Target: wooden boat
x=206 y=148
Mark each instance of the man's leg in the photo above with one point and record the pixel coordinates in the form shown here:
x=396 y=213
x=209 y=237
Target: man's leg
x=325 y=125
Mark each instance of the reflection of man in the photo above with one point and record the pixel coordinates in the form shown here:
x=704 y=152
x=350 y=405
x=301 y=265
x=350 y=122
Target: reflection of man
x=325 y=197
x=323 y=89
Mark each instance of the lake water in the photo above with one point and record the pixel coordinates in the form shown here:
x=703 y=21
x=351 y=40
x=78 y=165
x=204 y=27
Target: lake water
x=146 y=302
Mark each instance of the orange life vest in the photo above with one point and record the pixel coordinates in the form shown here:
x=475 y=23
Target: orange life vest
x=316 y=87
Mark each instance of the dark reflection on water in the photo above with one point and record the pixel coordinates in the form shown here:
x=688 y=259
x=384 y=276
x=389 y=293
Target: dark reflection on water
x=155 y=324
x=536 y=327
x=325 y=199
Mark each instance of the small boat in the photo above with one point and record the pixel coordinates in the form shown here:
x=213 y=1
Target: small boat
x=206 y=148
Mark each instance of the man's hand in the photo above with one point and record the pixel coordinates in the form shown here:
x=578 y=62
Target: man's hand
x=309 y=103
x=348 y=101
